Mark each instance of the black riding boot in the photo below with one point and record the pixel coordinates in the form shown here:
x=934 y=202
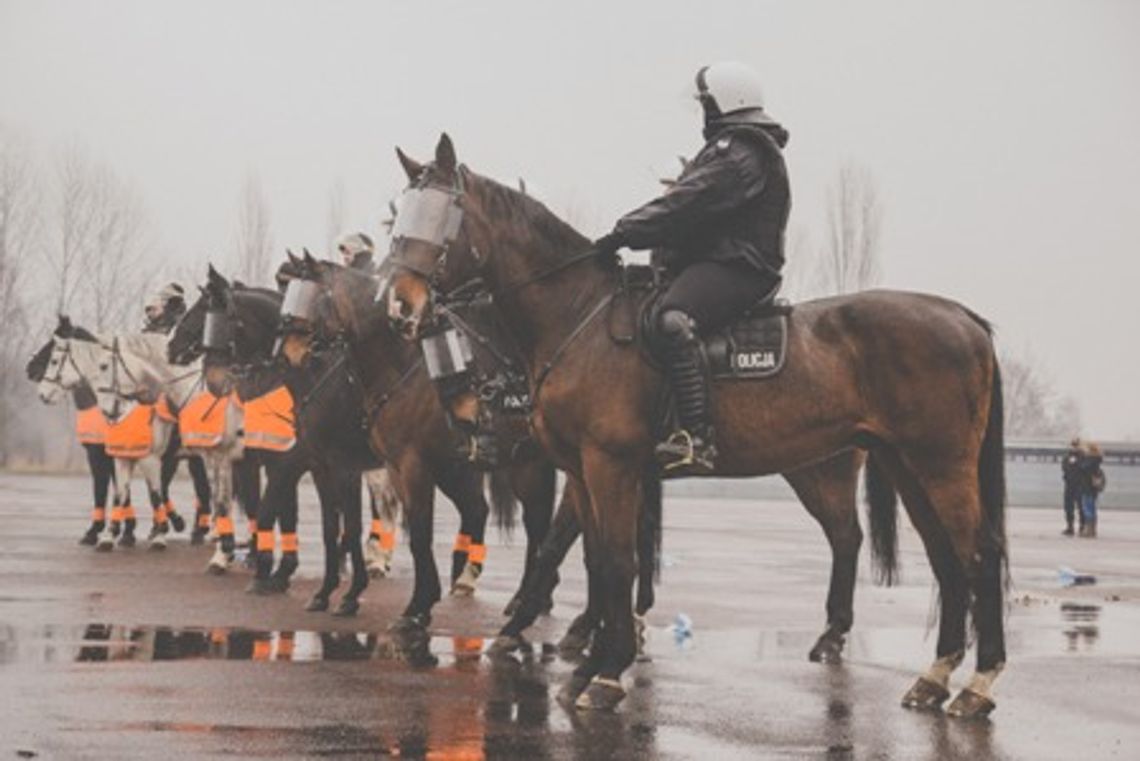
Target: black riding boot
x=692 y=446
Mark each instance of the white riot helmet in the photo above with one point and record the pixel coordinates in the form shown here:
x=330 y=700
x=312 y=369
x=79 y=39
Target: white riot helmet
x=728 y=87
x=355 y=249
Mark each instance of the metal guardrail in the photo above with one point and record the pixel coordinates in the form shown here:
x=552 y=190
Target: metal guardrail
x=1115 y=452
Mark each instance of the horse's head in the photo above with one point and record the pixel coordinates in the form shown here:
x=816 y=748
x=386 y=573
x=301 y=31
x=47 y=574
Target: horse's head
x=185 y=344
x=435 y=238
x=306 y=314
x=60 y=371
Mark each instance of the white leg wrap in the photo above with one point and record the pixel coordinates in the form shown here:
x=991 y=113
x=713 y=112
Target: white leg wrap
x=982 y=682
x=940 y=671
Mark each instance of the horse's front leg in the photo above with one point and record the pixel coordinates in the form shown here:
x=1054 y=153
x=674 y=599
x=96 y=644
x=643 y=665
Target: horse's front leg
x=221 y=494
x=151 y=467
x=614 y=487
x=416 y=488
x=353 y=506
x=126 y=509
x=330 y=495
x=113 y=527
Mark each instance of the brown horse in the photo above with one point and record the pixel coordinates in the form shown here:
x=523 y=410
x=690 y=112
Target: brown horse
x=911 y=377
x=827 y=489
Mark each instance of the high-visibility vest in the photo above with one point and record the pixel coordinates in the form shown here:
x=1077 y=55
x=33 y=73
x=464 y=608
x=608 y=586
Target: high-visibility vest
x=269 y=421
x=91 y=426
x=202 y=421
x=131 y=437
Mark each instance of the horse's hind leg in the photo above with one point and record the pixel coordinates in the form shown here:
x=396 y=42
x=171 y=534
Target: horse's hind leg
x=534 y=485
x=352 y=506
x=168 y=467
x=415 y=488
x=127 y=510
x=102 y=467
x=928 y=504
x=463 y=485
x=828 y=491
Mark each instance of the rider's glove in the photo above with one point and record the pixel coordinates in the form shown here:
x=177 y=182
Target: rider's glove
x=607 y=246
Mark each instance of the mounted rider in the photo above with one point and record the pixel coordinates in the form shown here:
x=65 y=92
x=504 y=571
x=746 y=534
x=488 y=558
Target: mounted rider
x=356 y=251
x=719 y=233
x=164 y=309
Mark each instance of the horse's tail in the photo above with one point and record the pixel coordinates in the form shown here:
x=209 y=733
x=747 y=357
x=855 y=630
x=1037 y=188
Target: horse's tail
x=882 y=514
x=991 y=471
x=503 y=502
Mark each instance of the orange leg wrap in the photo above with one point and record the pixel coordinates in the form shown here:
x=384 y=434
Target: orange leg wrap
x=265 y=541
x=462 y=543
x=477 y=553
x=289 y=542
x=224 y=525
x=387 y=540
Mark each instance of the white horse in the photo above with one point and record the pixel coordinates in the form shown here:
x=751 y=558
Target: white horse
x=102 y=365
x=210 y=421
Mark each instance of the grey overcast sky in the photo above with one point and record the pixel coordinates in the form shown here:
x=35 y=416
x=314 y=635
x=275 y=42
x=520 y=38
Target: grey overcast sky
x=1004 y=136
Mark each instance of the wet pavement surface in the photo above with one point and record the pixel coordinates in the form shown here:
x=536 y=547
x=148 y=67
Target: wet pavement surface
x=135 y=654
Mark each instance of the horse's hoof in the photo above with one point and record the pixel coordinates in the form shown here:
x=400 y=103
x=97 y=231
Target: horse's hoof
x=827 y=649
x=318 y=604
x=216 y=569
x=106 y=544
x=378 y=570
x=464 y=586
x=573 y=644
x=90 y=539
x=177 y=522
x=158 y=543
x=270 y=586
x=504 y=644
x=574 y=687
x=601 y=695
x=349 y=606
x=925 y=695
x=197 y=538
x=970 y=705
x=410 y=623
x=127 y=540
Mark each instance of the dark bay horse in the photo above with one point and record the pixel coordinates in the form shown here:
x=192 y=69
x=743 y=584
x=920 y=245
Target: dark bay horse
x=409 y=431
x=827 y=489
x=328 y=442
x=912 y=378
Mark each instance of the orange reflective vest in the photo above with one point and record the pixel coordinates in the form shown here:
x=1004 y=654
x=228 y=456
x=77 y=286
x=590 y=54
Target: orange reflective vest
x=202 y=421
x=91 y=426
x=131 y=437
x=269 y=421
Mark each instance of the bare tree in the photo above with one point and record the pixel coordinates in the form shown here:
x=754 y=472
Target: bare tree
x=115 y=268
x=19 y=230
x=849 y=260
x=72 y=224
x=254 y=239
x=1033 y=409
x=334 y=219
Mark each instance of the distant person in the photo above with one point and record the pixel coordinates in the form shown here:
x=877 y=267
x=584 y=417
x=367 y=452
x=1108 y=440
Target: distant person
x=1071 y=475
x=1092 y=484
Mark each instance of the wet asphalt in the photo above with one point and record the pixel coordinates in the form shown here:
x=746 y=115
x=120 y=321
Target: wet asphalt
x=138 y=654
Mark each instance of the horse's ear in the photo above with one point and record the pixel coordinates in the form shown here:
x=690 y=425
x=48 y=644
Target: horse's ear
x=445 y=154
x=412 y=168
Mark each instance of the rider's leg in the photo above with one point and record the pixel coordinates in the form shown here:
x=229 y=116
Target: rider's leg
x=704 y=296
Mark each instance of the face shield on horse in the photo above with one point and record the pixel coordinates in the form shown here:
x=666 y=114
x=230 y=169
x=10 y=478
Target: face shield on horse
x=912 y=378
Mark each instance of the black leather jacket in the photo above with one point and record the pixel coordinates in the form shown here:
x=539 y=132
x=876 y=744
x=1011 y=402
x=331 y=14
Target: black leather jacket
x=731 y=202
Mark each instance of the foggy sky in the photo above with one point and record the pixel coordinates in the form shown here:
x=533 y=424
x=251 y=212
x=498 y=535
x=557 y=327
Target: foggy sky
x=1004 y=136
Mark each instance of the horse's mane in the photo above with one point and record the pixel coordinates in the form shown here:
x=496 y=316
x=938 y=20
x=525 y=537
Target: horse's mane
x=524 y=213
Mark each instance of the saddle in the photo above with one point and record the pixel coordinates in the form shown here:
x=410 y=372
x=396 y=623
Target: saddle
x=753 y=347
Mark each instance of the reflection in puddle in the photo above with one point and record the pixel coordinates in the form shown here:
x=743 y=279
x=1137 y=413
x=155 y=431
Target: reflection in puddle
x=1085 y=631
x=106 y=643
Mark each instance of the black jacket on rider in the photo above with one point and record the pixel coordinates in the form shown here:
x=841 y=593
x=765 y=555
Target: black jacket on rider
x=730 y=203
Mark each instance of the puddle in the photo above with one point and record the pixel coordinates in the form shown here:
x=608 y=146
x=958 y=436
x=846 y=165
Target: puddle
x=111 y=643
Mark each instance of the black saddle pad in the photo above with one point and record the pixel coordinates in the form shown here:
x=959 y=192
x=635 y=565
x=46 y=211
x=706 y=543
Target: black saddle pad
x=753 y=347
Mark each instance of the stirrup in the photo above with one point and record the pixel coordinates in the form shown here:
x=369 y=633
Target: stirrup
x=680 y=451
